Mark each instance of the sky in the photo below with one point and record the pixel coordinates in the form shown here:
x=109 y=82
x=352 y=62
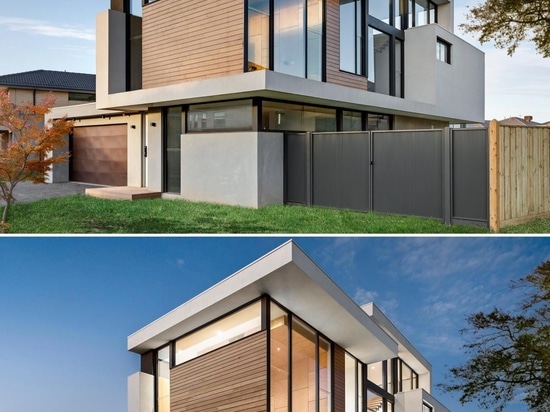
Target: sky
x=68 y=304
x=60 y=35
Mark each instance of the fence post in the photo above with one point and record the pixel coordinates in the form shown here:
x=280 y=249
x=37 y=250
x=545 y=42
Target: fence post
x=447 y=176
x=494 y=190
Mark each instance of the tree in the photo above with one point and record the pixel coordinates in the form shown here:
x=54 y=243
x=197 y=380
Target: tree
x=31 y=152
x=510 y=351
x=509 y=22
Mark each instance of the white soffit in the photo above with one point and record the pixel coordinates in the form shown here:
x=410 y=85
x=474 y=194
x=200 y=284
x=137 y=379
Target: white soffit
x=290 y=277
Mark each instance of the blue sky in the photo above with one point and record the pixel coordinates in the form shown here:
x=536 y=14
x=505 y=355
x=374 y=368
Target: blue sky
x=67 y=305
x=59 y=35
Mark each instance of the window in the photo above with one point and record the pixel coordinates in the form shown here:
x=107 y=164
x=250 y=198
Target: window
x=380 y=9
x=258 y=35
x=408 y=378
x=211 y=117
x=379 y=58
x=353 y=384
x=351 y=37
x=422 y=12
x=287 y=116
x=81 y=97
x=443 y=51
x=229 y=329
x=426 y=407
x=163 y=379
x=279 y=376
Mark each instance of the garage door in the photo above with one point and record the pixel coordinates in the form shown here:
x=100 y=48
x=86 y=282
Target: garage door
x=99 y=155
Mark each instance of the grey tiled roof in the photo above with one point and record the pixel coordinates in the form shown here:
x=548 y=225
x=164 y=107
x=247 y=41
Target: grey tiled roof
x=50 y=80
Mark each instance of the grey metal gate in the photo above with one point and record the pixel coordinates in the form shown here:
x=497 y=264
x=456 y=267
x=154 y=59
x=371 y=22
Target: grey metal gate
x=433 y=173
x=408 y=172
x=341 y=170
x=297 y=186
x=470 y=176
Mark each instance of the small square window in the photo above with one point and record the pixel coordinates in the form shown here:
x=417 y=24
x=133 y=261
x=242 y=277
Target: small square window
x=443 y=51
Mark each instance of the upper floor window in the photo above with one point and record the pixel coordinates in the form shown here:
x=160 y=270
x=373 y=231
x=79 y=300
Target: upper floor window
x=443 y=51
x=422 y=12
x=298 y=31
x=371 y=43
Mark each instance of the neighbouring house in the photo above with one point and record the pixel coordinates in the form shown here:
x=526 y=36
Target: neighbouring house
x=518 y=121
x=67 y=87
x=194 y=98
x=278 y=335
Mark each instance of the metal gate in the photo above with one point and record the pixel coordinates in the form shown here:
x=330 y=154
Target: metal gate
x=470 y=176
x=341 y=170
x=431 y=173
x=408 y=172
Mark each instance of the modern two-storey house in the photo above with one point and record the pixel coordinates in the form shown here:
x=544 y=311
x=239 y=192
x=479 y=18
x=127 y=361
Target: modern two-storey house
x=281 y=336
x=197 y=96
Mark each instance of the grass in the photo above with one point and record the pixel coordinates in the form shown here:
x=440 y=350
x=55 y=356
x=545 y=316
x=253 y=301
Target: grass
x=84 y=214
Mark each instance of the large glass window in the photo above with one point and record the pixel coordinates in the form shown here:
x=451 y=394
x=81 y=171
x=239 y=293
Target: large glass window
x=352 y=121
x=286 y=116
x=290 y=39
x=353 y=384
x=225 y=116
x=314 y=39
x=351 y=37
x=379 y=54
x=258 y=35
x=325 y=393
x=236 y=326
x=279 y=377
x=380 y=9
x=304 y=366
x=163 y=379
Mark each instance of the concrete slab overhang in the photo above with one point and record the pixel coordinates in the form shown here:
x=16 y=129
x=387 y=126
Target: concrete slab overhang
x=273 y=85
x=290 y=277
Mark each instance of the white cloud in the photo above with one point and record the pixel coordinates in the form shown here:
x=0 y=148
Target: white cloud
x=44 y=28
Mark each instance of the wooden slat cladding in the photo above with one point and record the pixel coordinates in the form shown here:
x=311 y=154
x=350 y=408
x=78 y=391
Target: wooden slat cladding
x=339 y=379
x=334 y=75
x=191 y=40
x=230 y=379
x=99 y=155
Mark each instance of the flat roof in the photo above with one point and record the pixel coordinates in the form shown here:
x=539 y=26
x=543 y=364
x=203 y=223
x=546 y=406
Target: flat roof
x=290 y=277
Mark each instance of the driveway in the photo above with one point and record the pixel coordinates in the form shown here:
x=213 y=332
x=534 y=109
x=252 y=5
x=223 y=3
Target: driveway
x=29 y=192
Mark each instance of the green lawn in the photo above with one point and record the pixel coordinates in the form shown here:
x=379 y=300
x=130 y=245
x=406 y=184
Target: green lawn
x=84 y=214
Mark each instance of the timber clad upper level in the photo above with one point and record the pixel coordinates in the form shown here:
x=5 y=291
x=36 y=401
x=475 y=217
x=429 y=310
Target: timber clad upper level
x=196 y=40
x=191 y=40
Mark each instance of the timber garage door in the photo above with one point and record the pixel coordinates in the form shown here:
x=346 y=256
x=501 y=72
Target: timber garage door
x=99 y=155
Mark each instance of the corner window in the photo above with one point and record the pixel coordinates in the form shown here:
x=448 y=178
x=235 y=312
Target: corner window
x=443 y=51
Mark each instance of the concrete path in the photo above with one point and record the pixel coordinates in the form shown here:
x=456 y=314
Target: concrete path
x=28 y=192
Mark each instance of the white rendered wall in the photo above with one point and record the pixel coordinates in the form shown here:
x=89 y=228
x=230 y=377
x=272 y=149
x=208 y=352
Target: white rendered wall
x=153 y=141
x=141 y=392
x=411 y=401
x=457 y=88
x=244 y=168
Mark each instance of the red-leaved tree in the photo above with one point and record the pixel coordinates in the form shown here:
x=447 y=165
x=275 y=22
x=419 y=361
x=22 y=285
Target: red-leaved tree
x=33 y=148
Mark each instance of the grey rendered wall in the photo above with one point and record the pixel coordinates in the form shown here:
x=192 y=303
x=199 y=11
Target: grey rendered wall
x=242 y=168
x=457 y=88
